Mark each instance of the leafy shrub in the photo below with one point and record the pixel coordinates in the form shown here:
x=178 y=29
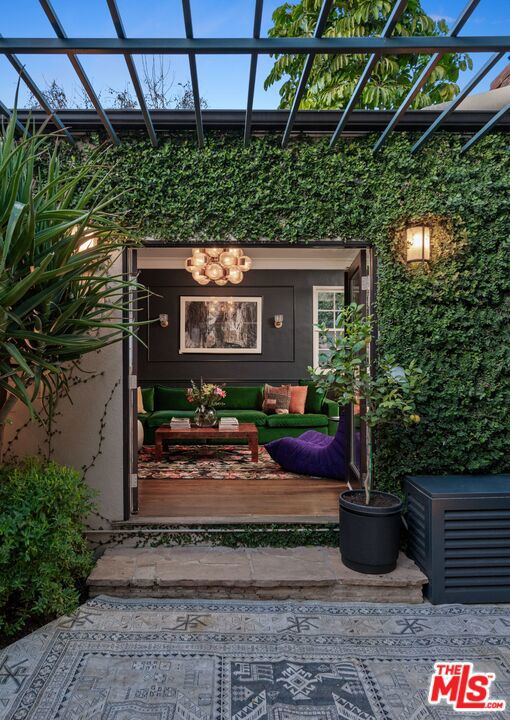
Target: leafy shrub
x=43 y=553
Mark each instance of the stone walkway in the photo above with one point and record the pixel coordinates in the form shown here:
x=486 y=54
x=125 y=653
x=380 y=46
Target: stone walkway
x=160 y=659
x=310 y=573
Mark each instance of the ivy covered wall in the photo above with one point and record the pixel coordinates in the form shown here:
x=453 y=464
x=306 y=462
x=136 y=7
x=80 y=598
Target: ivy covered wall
x=454 y=319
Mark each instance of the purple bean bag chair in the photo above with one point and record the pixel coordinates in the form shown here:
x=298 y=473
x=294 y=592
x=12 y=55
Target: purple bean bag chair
x=312 y=453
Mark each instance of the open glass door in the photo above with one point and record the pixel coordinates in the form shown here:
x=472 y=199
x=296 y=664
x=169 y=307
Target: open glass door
x=357 y=291
x=131 y=369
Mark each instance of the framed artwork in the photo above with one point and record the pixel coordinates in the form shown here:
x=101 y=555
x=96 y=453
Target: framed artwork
x=221 y=324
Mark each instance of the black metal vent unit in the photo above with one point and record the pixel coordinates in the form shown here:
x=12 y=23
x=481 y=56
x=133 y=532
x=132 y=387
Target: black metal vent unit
x=459 y=534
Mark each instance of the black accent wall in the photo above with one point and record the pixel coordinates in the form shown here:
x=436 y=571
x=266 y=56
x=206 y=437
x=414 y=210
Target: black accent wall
x=286 y=353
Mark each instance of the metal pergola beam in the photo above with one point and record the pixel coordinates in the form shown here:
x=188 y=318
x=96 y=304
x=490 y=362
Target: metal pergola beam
x=253 y=73
x=460 y=97
x=188 y=26
x=426 y=45
x=397 y=11
x=303 y=80
x=38 y=94
x=486 y=128
x=4 y=110
x=426 y=73
x=121 y=33
x=78 y=67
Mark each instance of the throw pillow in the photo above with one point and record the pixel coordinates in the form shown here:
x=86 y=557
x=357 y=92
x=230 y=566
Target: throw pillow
x=276 y=399
x=298 y=399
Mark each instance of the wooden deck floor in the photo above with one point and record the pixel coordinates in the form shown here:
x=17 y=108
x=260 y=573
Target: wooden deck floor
x=204 y=499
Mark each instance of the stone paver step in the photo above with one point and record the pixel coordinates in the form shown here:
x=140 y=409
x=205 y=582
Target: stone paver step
x=305 y=572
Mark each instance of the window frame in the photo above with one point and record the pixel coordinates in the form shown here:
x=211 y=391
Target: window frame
x=317 y=289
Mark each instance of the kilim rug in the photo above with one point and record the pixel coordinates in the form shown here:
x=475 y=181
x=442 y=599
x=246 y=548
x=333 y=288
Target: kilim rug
x=120 y=659
x=232 y=462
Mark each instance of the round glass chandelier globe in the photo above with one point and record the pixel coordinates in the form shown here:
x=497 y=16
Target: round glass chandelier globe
x=200 y=259
x=214 y=251
x=214 y=271
x=227 y=259
x=235 y=275
x=203 y=280
x=221 y=281
x=237 y=252
x=190 y=264
x=198 y=275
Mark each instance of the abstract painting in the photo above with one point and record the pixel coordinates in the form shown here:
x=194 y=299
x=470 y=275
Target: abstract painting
x=221 y=324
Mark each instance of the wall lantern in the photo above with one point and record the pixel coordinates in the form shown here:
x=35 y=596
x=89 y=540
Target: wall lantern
x=278 y=321
x=418 y=244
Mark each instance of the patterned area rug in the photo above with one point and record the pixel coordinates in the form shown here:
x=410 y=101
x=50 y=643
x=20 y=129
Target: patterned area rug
x=216 y=462
x=118 y=659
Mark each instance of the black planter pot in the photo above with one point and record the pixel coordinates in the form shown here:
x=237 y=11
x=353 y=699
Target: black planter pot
x=369 y=535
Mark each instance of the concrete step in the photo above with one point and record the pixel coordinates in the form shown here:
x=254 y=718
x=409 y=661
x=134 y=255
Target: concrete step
x=308 y=573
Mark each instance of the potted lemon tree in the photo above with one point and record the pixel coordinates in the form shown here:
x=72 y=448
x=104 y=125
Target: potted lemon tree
x=369 y=519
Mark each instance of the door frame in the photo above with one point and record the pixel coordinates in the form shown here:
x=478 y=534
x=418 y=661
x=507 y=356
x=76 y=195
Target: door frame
x=129 y=355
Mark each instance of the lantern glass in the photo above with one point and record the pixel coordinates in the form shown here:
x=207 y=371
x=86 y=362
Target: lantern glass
x=418 y=243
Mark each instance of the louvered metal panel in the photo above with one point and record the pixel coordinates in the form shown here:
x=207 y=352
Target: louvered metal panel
x=459 y=534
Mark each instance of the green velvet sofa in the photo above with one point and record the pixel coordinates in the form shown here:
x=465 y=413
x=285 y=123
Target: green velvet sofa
x=162 y=403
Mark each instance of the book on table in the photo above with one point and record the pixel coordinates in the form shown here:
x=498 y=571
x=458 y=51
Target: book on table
x=180 y=423
x=229 y=422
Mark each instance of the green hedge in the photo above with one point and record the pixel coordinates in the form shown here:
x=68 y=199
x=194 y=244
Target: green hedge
x=43 y=554
x=455 y=320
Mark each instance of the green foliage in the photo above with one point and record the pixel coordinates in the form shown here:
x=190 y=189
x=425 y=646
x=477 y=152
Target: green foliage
x=386 y=391
x=59 y=299
x=43 y=554
x=452 y=320
x=334 y=77
x=389 y=391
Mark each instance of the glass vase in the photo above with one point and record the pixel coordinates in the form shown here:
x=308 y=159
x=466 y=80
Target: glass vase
x=205 y=416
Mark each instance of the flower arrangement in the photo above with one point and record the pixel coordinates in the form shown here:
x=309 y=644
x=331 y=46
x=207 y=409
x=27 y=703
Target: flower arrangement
x=205 y=394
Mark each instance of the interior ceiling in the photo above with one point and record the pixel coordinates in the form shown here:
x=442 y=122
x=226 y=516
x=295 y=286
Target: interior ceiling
x=263 y=258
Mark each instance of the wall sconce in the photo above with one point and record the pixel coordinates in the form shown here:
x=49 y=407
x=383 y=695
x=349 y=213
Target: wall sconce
x=418 y=244
x=278 y=321
x=163 y=320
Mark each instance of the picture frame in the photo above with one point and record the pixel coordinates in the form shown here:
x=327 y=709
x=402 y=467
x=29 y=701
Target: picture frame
x=220 y=325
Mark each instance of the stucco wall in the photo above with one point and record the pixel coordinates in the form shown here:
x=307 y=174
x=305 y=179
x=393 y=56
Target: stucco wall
x=78 y=426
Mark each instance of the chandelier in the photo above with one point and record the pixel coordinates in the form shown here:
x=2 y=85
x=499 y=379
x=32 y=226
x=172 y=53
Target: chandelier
x=221 y=265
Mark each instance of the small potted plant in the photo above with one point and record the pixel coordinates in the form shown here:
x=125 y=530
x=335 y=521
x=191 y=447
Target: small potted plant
x=369 y=520
x=206 y=397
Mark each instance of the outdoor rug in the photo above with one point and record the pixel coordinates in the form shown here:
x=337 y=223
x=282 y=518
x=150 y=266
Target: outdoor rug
x=225 y=462
x=120 y=659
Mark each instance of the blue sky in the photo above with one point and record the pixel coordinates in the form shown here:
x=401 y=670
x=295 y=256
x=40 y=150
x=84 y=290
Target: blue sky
x=223 y=79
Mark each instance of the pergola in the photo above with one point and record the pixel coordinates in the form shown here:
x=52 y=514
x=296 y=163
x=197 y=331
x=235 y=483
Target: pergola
x=375 y=47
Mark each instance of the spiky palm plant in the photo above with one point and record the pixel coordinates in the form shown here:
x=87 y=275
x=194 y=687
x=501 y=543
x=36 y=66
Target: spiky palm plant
x=59 y=297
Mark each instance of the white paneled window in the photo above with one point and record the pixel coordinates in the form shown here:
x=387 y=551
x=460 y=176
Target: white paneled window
x=327 y=305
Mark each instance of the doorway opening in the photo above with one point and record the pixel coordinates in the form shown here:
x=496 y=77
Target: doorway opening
x=175 y=477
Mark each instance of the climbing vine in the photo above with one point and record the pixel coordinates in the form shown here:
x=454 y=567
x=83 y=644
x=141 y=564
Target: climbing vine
x=453 y=319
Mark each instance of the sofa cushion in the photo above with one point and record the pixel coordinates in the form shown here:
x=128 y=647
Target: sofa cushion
x=295 y=420
x=243 y=398
x=276 y=399
x=256 y=417
x=168 y=398
x=298 y=395
x=314 y=397
x=148 y=399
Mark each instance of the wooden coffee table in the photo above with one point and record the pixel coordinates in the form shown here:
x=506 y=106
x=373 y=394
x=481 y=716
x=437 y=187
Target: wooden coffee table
x=244 y=430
